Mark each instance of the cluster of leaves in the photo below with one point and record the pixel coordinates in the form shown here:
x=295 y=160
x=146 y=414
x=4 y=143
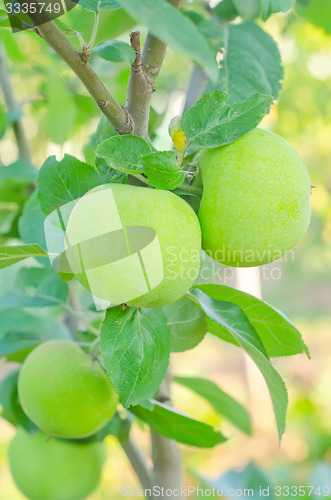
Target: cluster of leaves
x=210 y=123
x=135 y=343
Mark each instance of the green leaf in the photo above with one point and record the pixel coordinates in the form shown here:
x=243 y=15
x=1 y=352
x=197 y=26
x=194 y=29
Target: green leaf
x=3 y=14
x=162 y=171
x=174 y=28
x=175 y=425
x=95 y=5
x=212 y=122
x=233 y=319
x=31 y=222
x=251 y=63
x=229 y=314
x=135 y=347
x=279 y=336
x=115 y=51
x=20 y=171
x=187 y=324
x=269 y=7
x=60 y=109
x=36 y=287
x=226 y=10
x=20 y=330
x=10 y=407
x=248 y=9
x=104 y=130
x=4 y=20
x=224 y=404
x=60 y=182
x=67 y=30
x=214 y=32
x=15 y=188
x=124 y=153
x=10 y=255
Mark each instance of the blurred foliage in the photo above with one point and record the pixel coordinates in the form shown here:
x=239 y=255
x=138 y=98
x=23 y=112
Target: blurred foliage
x=303 y=117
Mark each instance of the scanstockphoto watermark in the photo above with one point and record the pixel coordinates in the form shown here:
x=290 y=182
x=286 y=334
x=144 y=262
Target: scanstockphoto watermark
x=314 y=491
x=161 y=492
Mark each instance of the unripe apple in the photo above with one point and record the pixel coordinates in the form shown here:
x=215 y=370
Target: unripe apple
x=55 y=469
x=64 y=391
x=134 y=245
x=256 y=200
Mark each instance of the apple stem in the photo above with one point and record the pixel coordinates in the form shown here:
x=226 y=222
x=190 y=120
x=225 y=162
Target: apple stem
x=191 y=189
x=95 y=28
x=142 y=179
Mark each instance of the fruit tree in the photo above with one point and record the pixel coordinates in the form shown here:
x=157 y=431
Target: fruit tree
x=110 y=226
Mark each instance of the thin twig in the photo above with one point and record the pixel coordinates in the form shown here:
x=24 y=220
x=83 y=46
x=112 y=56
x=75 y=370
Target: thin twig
x=139 y=465
x=117 y=116
x=95 y=27
x=13 y=107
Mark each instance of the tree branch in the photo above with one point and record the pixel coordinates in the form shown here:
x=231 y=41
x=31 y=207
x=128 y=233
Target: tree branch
x=142 y=86
x=138 y=462
x=13 y=107
x=165 y=452
x=139 y=90
x=117 y=116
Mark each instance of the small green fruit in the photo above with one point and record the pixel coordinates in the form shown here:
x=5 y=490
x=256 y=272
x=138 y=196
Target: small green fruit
x=256 y=200
x=134 y=245
x=55 y=469
x=64 y=392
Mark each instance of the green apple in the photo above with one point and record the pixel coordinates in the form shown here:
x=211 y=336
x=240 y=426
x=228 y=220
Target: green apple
x=55 y=469
x=64 y=391
x=256 y=200
x=134 y=245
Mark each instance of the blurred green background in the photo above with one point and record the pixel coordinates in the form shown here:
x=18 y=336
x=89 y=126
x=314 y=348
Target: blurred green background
x=300 y=285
